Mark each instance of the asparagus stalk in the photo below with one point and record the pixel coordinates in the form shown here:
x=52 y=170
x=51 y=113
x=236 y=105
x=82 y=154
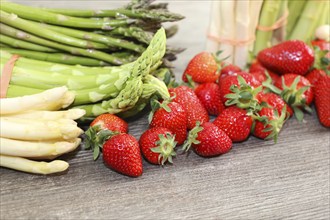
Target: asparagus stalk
x=23 y=44
x=295 y=8
x=73 y=114
x=153 y=15
x=242 y=27
x=30 y=166
x=9 y=31
x=269 y=14
x=60 y=68
x=26 y=25
x=255 y=11
x=227 y=30
x=133 y=32
x=39 y=130
x=106 y=40
x=308 y=21
x=56 y=57
x=38 y=14
x=53 y=99
x=280 y=33
x=37 y=149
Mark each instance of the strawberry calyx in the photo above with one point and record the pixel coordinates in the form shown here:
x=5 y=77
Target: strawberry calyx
x=192 y=137
x=155 y=105
x=321 y=62
x=295 y=98
x=274 y=125
x=95 y=137
x=244 y=96
x=165 y=148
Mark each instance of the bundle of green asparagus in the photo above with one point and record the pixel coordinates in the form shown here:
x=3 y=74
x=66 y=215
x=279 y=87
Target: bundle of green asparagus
x=124 y=89
x=113 y=60
x=87 y=37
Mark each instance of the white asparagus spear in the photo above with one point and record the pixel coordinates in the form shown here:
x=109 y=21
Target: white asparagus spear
x=37 y=149
x=51 y=99
x=212 y=45
x=30 y=166
x=227 y=29
x=242 y=30
x=73 y=114
x=38 y=130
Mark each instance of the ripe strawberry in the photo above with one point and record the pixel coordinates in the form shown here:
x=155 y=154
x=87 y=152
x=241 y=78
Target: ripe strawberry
x=157 y=145
x=322 y=44
x=191 y=104
x=228 y=82
x=209 y=95
x=235 y=123
x=297 y=92
x=322 y=100
x=292 y=56
x=269 y=123
x=259 y=72
x=202 y=68
x=110 y=122
x=228 y=70
x=208 y=140
x=173 y=116
x=314 y=75
x=102 y=128
x=122 y=154
x=274 y=101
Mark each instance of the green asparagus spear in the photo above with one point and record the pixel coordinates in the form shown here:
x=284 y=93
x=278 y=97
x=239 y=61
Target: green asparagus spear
x=23 y=44
x=107 y=40
x=57 y=57
x=154 y=15
x=38 y=14
x=28 y=26
x=9 y=31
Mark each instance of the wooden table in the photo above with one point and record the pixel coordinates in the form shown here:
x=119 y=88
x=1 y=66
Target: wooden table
x=255 y=180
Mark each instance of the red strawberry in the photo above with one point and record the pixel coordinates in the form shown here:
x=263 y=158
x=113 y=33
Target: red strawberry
x=269 y=123
x=292 y=56
x=228 y=70
x=110 y=122
x=229 y=81
x=297 y=92
x=190 y=102
x=322 y=100
x=314 y=75
x=157 y=145
x=322 y=44
x=102 y=128
x=209 y=95
x=235 y=123
x=173 y=116
x=208 y=140
x=202 y=68
x=259 y=72
x=275 y=101
x=122 y=154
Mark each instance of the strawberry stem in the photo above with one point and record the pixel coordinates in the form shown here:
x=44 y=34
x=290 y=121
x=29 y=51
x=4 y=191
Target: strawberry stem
x=192 y=137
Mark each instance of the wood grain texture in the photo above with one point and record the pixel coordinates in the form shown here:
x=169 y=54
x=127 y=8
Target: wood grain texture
x=255 y=180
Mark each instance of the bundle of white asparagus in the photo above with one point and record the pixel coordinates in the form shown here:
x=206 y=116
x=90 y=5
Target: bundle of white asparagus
x=33 y=128
x=240 y=29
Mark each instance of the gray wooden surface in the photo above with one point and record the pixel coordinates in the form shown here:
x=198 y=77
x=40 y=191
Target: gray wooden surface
x=256 y=180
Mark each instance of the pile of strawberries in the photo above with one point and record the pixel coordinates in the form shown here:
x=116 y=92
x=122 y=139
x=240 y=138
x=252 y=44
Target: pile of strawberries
x=218 y=104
